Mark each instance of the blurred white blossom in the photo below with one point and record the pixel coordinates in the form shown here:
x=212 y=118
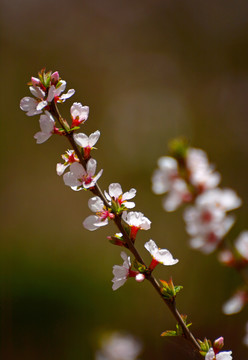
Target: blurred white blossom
x=235 y=304
x=119 y=347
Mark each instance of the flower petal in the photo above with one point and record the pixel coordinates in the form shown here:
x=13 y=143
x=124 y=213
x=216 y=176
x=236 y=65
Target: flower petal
x=129 y=194
x=91 y=167
x=93 y=138
x=95 y=204
x=70 y=179
x=81 y=139
x=115 y=190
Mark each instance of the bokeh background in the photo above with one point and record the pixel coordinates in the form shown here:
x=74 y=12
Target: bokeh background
x=150 y=71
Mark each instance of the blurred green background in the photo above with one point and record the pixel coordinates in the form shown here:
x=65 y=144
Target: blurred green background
x=150 y=71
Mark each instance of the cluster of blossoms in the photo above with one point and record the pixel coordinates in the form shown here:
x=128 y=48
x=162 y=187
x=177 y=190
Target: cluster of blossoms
x=47 y=91
x=190 y=179
x=187 y=179
x=207 y=221
x=48 y=87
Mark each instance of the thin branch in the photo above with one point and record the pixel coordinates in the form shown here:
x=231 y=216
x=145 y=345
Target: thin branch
x=97 y=191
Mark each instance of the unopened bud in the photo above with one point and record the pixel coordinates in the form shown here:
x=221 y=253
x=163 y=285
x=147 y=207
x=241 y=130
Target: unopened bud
x=55 y=77
x=35 y=81
x=140 y=277
x=226 y=257
x=218 y=343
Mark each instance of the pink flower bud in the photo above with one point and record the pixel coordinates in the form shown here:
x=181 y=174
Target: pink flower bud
x=218 y=344
x=35 y=81
x=55 y=78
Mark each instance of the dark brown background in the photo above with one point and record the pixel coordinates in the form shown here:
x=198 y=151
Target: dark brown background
x=150 y=71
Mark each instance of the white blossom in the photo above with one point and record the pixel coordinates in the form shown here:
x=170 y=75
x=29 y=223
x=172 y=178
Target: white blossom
x=241 y=244
x=178 y=194
x=207 y=222
x=69 y=157
x=222 y=355
x=79 y=113
x=225 y=199
x=163 y=256
x=115 y=192
x=85 y=141
x=136 y=219
x=166 y=179
x=235 y=304
x=79 y=177
x=55 y=92
x=34 y=106
x=93 y=222
x=164 y=176
x=31 y=106
x=119 y=347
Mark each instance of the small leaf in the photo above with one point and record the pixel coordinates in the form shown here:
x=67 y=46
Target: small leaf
x=168 y=289
x=178 y=288
x=169 y=333
x=75 y=128
x=205 y=345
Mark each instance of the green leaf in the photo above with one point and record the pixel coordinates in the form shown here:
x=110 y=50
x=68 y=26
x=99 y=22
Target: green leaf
x=75 y=128
x=178 y=288
x=205 y=346
x=169 y=333
x=169 y=290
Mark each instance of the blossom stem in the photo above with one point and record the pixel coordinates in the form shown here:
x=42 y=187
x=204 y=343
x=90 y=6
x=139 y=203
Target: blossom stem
x=117 y=219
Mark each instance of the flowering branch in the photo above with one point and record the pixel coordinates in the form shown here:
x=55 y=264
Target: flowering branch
x=47 y=90
x=117 y=219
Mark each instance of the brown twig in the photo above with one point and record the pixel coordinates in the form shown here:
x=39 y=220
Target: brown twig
x=97 y=191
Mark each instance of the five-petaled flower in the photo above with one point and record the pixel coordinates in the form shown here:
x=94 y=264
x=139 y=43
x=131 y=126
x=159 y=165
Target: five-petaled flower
x=86 y=142
x=118 y=199
x=136 y=220
x=159 y=256
x=78 y=178
x=93 y=222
